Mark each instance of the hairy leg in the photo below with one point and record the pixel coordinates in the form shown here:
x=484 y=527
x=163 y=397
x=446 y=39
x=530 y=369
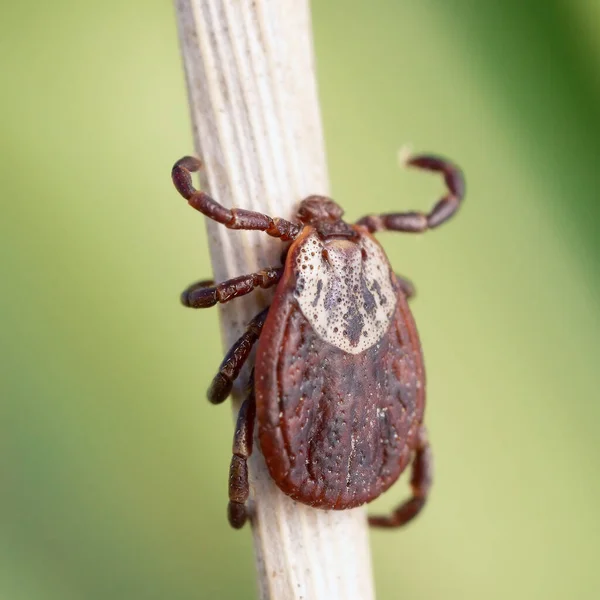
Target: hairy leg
x=422 y=474
x=234 y=360
x=407 y=286
x=205 y=293
x=234 y=218
x=239 y=488
x=418 y=222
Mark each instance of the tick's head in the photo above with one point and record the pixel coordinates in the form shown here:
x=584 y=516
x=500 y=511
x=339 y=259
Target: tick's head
x=319 y=209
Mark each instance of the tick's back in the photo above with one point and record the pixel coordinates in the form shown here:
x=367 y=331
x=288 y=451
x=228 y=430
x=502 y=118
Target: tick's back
x=339 y=374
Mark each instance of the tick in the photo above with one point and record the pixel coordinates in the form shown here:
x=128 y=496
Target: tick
x=338 y=386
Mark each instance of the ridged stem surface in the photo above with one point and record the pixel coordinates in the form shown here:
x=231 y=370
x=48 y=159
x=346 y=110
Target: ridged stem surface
x=256 y=123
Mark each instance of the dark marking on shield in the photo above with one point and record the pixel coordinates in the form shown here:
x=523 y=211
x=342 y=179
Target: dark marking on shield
x=332 y=297
x=300 y=285
x=377 y=288
x=318 y=294
x=354 y=323
x=368 y=298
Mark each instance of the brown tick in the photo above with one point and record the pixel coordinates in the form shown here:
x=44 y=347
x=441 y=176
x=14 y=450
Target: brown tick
x=338 y=387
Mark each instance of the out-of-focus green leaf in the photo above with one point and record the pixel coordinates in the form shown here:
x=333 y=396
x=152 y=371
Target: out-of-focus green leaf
x=114 y=468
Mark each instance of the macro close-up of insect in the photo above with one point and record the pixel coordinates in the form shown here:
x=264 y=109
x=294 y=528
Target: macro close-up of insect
x=387 y=281
x=338 y=386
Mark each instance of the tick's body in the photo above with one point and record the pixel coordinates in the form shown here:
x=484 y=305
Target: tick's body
x=338 y=389
x=339 y=376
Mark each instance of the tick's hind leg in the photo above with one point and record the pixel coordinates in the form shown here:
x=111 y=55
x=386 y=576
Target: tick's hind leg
x=234 y=218
x=420 y=481
x=204 y=294
x=417 y=222
x=239 y=488
x=234 y=360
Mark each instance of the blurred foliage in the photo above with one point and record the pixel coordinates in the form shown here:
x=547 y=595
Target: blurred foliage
x=113 y=467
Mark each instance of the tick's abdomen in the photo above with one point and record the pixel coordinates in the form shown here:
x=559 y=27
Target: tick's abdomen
x=337 y=425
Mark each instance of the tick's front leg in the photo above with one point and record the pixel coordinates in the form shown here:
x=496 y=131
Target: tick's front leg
x=232 y=218
x=422 y=474
x=239 y=488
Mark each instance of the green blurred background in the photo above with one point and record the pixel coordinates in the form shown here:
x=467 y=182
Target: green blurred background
x=113 y=466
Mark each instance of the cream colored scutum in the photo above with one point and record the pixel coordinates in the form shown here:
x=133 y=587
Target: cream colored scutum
x=345 y=291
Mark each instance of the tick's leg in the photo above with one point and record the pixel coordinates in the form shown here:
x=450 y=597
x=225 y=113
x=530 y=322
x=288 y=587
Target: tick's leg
x=407 y=286
x=422 y=473
x=233 y=362
x=417 y=222
x=203 y=294
x=238 y=470
x=234 y=218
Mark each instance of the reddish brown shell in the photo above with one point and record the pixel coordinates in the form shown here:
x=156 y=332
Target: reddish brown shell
x=336 y=428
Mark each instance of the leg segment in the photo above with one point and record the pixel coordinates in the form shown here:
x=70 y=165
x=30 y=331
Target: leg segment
x=407 y=286
x=235 y=218
x=422 y=473
x=233 y=362
x=238 y=470
x=204 y=294
x=417 y=222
